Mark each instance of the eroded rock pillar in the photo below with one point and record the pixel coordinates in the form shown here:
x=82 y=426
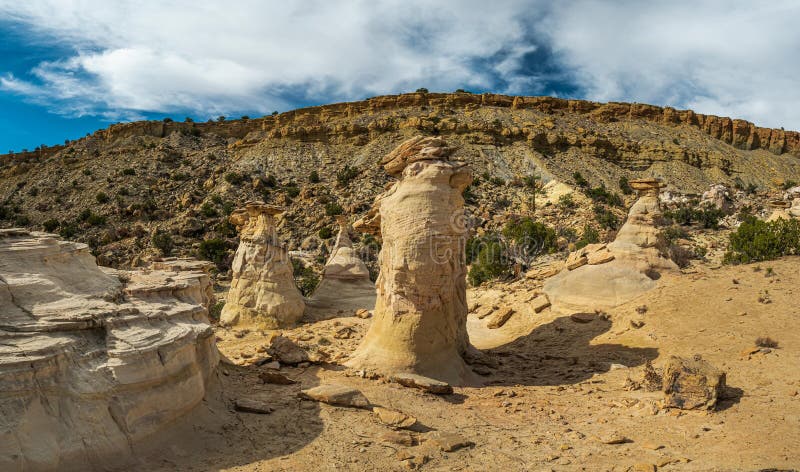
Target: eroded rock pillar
x=263 y=292
x=420 y=314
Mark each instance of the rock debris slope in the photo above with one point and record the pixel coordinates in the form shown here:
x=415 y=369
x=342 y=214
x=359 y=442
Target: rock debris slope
x=89 y=365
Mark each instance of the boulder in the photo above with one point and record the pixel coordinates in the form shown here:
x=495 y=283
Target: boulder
x=691 y=384
x=338 y=395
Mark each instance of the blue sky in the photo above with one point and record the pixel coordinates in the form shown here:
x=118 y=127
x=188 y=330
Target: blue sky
x=70 y=67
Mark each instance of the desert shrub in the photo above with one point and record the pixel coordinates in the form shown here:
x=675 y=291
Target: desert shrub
x=531 y=237
x=227 y=208
x=789 y=184
x=68 y=230
x=756 y=240
x=162 y=241
x=625 y=186
x=213 y=250
x=489 y=263
x=216 y=310
x=234 y=178
x=128 y=171
x=566 y=203
x=313 y=177
x=708 y=216
x=345 y=175
x=96 y=220
x=51 y=225
x=225 y=228
x=22 y=220
x=102 y=197
x=497 y=181
x=87 y=172
x=469 y=195
x=208 y=210
x=305 y=278
x=766 y=341
x=422 y=90
x=602 y=195
x=5 y=212
x=325 y=232
x=292 y=191
x=333 y=209
x=580 y=181
x=605 y=218
x=589 y=236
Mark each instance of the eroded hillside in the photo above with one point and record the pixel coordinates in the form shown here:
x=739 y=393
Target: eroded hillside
x=119 y=187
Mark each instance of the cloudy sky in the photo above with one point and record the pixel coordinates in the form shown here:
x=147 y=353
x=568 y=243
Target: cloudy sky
x=68 y=67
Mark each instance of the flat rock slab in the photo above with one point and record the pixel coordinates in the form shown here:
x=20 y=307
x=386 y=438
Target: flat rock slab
x=275 y=378
x=249 y=405
x=394 y=418
x=339 y=395
x=583 y=317
x=449 y=442
x=423 y=383
x=500 y=317
x=401 y=438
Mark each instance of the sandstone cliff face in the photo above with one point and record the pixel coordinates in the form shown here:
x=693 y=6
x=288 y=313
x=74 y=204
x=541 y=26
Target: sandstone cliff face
x=262 y=291
x=90 y=365
x=421 y=309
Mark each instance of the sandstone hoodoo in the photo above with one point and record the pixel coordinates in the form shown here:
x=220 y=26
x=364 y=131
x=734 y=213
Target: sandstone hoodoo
x=420 y=314
x=601 y=276
x=91 y=365
x=345 y=284
x=262 y=291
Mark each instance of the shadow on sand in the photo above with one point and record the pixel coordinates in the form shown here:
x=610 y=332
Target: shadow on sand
x=561 y=353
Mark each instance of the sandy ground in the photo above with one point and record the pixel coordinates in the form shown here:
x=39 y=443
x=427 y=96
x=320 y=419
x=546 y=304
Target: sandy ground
x=557 y=388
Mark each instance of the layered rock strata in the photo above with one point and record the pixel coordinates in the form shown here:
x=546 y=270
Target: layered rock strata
x=89 y=364
x=263 y=291
x=421 y=310
x=602 y=276
x=345 y=284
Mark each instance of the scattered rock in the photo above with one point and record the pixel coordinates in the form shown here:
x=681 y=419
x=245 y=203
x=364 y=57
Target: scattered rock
x=394 y=418
x=500 y=317
x=576 y=259
x=249 y=405
x=401 y=438
x=363 y=313
x=540 y=273
x=692 y=383
x=637 y=324
x=583 y=317
x=540 y=303
x=449 y=442
x=614 y=438
x=286 y=351
x=485 y=311
x=423 y=383
x=275 y=378
x=644 y=467
x=339 y=395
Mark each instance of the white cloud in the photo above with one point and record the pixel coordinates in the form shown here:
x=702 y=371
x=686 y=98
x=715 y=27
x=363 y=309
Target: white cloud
x=723 y=57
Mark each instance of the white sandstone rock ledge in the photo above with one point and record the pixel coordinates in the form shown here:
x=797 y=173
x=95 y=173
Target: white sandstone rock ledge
x=90 y=365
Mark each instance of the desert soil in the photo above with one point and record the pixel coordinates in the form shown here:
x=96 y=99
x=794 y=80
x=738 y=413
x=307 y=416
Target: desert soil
x=557 y=393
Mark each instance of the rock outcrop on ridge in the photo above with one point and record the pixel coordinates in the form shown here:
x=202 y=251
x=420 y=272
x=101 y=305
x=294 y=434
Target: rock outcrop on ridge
x=420 y=314
x=345 y=284
x=89 y=364
x=262 y=291
x=601 y=276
